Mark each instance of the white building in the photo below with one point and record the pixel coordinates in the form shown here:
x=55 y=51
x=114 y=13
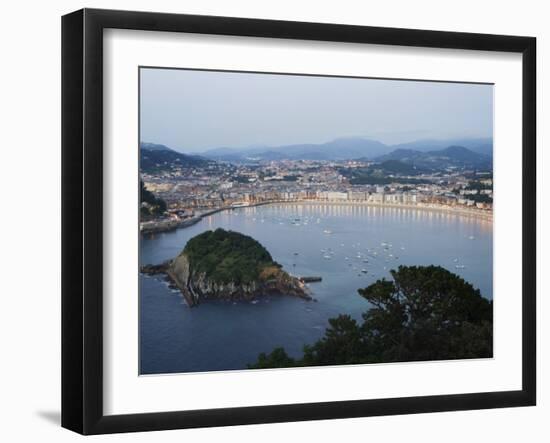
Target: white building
x=357 y=196
x=409 y=199
x=332 y=195
x=377 y=197
x=393 y=198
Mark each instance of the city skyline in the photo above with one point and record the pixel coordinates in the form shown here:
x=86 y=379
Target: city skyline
x=194 y=111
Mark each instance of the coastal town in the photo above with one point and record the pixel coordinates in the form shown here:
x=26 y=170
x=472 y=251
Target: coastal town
x=191 y=193
x=298 y=221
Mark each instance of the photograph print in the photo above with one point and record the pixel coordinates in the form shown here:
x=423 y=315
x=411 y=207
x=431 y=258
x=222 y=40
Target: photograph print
x=291 y=221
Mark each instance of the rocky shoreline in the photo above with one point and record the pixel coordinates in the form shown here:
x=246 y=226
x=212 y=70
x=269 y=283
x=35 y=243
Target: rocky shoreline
x=155 y=226
x=197 y=287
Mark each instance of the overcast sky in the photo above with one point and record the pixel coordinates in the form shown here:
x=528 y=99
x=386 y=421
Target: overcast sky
x=192 y=111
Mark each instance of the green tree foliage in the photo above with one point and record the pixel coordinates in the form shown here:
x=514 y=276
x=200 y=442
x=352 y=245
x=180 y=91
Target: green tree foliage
x=227 y=256
x=155 y=205
x=477 y=185
x=480 y=198
x=423 y=313
x=277 y=359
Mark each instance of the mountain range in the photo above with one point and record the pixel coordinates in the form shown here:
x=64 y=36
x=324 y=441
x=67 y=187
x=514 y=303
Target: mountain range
x=422 y=156
x=345 y=148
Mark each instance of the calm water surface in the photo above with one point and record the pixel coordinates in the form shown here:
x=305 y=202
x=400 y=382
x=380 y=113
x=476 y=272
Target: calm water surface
x=337 y=242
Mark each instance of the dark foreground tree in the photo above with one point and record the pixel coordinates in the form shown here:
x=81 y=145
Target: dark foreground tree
x=155 y=205
x=424 y=313
x=277 y=359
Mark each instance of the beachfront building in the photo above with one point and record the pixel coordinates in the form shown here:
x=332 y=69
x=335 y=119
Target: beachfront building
x=334 y=195
x=376 y=197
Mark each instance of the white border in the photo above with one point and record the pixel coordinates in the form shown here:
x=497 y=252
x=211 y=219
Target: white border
x=126 y=392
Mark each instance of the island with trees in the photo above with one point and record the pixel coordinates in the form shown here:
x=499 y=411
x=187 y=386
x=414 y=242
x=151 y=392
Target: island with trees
x=227 y=265
x=423 y=313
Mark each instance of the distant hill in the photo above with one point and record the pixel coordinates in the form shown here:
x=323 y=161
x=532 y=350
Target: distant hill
x=344 y=148
x=386 y=172
x=338 y=149
x=452 y=156
x=155 y=158
x=397 y=167
x=401 y=154
x=155 y=147
x=478 y=145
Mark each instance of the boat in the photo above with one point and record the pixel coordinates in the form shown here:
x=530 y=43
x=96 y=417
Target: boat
x=327 y=231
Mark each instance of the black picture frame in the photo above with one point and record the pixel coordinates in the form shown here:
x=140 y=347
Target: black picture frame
x=82 y=218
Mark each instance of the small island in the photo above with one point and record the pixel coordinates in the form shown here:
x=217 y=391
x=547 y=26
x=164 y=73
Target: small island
x=227 y=265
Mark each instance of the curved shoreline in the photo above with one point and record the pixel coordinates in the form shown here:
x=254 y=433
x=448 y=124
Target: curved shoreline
x=171 y=225
x=476 y=213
